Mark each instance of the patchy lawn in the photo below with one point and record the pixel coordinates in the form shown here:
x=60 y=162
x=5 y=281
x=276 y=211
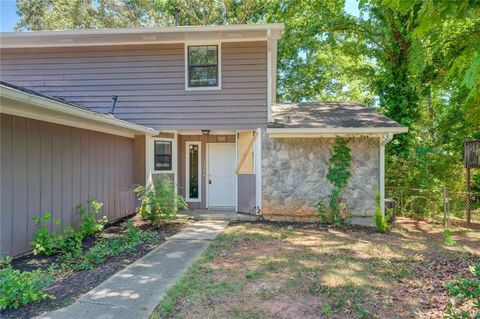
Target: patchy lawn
x=268 y=270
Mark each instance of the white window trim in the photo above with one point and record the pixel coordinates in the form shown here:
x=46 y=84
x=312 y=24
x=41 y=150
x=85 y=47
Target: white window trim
x=174 y=154
x=219 y=53
x=187 y=171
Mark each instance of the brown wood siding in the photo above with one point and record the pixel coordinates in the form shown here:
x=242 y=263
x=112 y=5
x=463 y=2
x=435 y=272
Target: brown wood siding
x=149 y=81
x=51 y=167
x=204 y=139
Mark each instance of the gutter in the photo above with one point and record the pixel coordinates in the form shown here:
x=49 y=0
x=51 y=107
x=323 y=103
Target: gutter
x=305 y=132
x=57 y=106
x=383 y=141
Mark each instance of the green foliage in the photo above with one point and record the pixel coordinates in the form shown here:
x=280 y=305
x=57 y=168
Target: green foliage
x=464 y=290
x=48 y=243
x=18 y=288
x=447 y=238
x=88 y=224
x=381 y=221
x=160 y=202
x=67 y=239
x=338 y=175
x=105 y=248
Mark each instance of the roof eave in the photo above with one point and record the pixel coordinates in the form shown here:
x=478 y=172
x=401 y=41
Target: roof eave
x=73 y=38
x=63 y=108
x=333 y=131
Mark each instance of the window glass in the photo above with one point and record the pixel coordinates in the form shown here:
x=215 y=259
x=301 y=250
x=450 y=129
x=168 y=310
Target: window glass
x=202 y=66
x=193 y=172
x=163 y=155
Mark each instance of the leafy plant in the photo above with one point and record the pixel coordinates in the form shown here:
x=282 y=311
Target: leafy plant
x=463 y=291
x=338 y=175
x=381 y=221
x=107 y=247
x=160 y=202
x=18 y=288
x=67 y=239
x=447 y=238
x=48 y=243
x=88 y=224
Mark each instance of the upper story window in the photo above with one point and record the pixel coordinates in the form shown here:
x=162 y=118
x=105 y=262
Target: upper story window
x=203 y=66
x=163 y=155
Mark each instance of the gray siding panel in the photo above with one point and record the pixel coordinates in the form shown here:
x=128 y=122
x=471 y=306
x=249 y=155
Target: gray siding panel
x=50 y=167
x=246 y=193
x=149 y=80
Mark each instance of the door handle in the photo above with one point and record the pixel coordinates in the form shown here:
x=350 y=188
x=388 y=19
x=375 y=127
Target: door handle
x=209 y=181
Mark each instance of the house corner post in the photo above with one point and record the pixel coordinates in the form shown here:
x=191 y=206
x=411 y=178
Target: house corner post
x=258 y=171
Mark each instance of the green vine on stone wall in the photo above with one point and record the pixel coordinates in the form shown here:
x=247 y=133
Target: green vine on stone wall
x=338 y=175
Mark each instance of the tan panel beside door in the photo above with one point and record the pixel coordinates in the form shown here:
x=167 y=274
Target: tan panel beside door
x=244 y=143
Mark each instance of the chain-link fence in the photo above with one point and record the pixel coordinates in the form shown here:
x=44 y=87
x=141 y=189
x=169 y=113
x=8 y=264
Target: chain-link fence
x=443 y=204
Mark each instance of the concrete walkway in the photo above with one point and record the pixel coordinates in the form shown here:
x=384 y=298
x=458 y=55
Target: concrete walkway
x=136 y=290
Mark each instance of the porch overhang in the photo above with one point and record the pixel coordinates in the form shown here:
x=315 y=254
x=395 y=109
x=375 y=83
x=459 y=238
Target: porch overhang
x=22 y=102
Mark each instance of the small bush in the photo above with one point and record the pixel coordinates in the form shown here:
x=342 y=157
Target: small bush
x=447 y=238
x=464 y=291
x=381 y=221
x=160 y=202
x=48 y=243
x=67 y=239
x=88 y=224
x=18 y=288
x=105 y=248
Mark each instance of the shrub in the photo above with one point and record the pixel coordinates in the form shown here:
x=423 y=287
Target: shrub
x=160 y=202
x=18 y=288
x=107 y=247
x=447 y=238
x=67 y=239
x=48 y=243
x=464 y=291
x=381 y=221
x=88 y=224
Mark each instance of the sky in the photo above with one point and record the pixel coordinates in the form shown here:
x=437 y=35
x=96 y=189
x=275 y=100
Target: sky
x=9 y=17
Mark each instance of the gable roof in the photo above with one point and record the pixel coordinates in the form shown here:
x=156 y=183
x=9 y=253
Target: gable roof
x=330 y=117
x=146 y=35
x=20 y=101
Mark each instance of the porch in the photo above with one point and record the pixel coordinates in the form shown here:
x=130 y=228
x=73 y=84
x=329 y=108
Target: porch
x=217 y=214
x=217 y=172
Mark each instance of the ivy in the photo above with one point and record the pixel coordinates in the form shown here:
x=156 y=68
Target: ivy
x=338 y=175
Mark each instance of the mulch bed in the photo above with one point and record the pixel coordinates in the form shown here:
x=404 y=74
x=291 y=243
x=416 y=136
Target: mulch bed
x=67 y=288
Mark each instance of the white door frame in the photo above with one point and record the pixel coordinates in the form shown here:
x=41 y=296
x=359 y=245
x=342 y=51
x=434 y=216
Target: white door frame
x=207 y=171
x=187 y=171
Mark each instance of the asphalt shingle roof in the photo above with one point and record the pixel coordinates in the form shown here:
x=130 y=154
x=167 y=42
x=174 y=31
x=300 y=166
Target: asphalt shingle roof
x=327 y=115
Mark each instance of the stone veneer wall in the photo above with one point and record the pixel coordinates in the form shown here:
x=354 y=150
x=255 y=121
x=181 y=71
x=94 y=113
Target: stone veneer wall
x=294 y=175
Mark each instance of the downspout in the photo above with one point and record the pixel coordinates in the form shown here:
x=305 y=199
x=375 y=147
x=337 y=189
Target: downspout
x=383 y=141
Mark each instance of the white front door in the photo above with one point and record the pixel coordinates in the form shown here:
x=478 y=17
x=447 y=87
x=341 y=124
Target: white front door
x=221 y=175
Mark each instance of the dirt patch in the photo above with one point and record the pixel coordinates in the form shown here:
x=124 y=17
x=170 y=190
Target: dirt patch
x=68 y=287
x=295 y=270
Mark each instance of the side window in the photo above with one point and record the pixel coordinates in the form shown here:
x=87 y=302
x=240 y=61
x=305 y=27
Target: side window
x=203 y=66
x=163 y=155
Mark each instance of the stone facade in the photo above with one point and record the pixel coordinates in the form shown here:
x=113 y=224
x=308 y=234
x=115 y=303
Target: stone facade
x=294 y=176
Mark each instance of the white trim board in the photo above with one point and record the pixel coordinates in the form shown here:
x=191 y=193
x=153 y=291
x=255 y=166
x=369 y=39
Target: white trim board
x=78 y=38
x=334 y=131
x=187 y=171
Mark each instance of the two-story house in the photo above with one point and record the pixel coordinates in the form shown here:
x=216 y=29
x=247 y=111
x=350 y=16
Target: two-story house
x=90 y=113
